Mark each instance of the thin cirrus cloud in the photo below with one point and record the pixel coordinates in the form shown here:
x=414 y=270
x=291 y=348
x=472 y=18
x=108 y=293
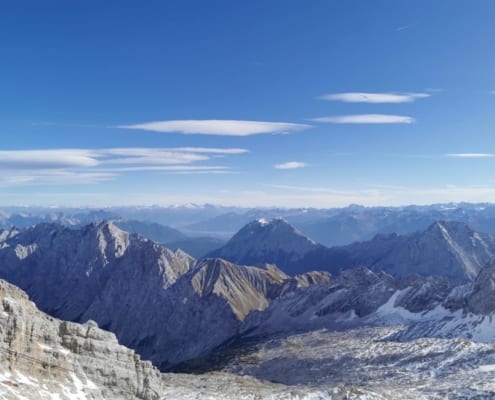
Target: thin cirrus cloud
x=85 y=158
x=290 y=165
x=170 y=168
x=219 y=127
x=133 y=151
x=366 y=119
x=374 y=98
x=470 y=155
x=56 y=177
x=404 y=27
x=88 y=166
x=178 y=155
x=54 y=158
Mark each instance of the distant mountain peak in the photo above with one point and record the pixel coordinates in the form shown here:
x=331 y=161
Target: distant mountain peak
x=112 y=241
x=265 y=241
x=262 y=221
x=275 y=225
x=444 y=227
x=270 y=222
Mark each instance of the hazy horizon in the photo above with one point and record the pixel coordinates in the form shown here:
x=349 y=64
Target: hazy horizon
x=213 y=205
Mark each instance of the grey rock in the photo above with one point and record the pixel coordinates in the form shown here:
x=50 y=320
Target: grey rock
x=42 y=356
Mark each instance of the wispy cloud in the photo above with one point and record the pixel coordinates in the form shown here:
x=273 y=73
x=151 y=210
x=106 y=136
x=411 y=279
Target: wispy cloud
x=470 y=155
x=404 y=27
x=169 y=168
x=218 y=127
x=211 y=150
x=366 y=119
x=290 y=165
x=56 y=177
x=178 y=155
x=74 y=158
x=376 y=98
x=87 y=166
x=55 y=158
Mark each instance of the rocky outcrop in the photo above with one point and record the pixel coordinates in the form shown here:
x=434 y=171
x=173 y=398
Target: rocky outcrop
x=42 y=357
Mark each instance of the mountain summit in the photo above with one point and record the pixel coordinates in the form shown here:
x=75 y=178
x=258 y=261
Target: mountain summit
x=449 y=249
x=267 y=241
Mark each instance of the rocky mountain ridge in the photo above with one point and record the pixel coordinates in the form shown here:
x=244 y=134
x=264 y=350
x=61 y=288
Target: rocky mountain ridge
x=164 y=304
x=447 y=249
x=188 y=308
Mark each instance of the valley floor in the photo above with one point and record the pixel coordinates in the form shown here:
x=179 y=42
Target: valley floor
x=364 y=364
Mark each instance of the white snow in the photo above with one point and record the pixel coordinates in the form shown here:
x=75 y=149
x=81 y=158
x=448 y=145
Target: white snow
x=263 y=221
x=393 y=313
x=77 y=391
x=471 y=269
x=25 y=380
x=23 y=252
x=486 y=368
x=45 y=347
x=9 y=300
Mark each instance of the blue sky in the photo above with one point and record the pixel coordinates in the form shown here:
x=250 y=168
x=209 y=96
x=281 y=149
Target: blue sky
x=254 y=103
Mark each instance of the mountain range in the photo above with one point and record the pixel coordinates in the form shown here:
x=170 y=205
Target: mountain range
x=97 y=272
x=446 y=248
x=330 y=227
x=175 y=310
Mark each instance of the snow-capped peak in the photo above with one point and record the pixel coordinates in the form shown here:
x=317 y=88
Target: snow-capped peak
x=262 y=221
x=266 y=241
